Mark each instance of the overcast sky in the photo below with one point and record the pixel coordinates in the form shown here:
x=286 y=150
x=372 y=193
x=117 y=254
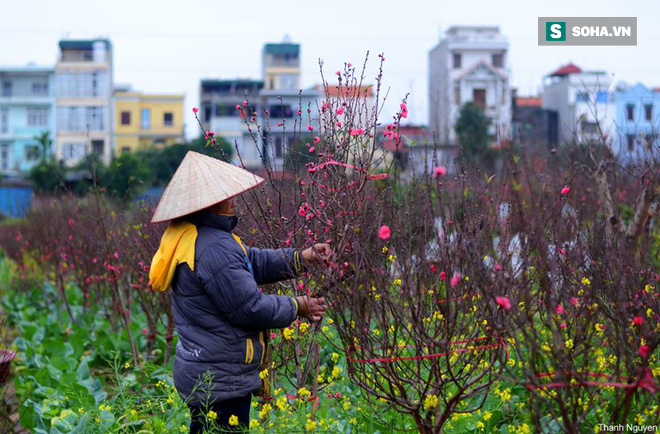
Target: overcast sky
x=169 y=45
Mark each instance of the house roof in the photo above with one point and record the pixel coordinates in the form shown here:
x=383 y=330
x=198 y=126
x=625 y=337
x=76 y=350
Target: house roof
x=283 y=48
x=81 y=44
x=410 y=135
x=477 y=65
x=567 y=69
x=348 y=91
x=528 y=101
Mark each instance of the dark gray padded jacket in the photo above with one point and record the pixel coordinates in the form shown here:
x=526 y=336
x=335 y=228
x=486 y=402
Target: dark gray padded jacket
x=221 y=315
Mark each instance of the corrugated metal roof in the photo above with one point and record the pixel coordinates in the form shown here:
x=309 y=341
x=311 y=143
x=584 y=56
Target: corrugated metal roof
x=284 y=48
x=81 y=44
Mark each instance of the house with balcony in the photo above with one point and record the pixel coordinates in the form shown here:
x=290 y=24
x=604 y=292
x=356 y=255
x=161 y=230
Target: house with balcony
x=470 y=64
x=283 y=98
x=583 y=102
x=637 y=123
x=85 y=115
x=27 y=110
x=218 y=100
x=144 y=121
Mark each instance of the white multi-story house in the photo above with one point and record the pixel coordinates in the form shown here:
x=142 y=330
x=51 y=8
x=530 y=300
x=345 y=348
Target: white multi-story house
x=277 y=93
x=218 y=100
x=583 y=102
x=470 y=64
x=282 y=97
x=84 y=76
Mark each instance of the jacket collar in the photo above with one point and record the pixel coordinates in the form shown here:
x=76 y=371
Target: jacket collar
x=207 y=218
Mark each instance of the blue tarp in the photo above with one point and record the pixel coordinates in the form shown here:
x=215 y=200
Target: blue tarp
x=15 y=201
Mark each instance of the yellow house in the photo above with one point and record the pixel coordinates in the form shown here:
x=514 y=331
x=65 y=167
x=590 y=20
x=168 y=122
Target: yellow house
x=143 y=120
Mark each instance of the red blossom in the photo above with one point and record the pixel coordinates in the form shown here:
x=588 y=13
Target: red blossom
x=384 y=232
x=439 y=171
x=503 y=302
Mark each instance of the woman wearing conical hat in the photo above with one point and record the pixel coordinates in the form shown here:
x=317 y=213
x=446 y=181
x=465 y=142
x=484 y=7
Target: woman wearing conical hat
x=221 y=315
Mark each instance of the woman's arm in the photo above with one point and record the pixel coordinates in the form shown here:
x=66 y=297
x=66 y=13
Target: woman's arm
x=234 y=293
x=273 y=265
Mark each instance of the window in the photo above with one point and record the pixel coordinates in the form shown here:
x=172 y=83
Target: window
x=582 y=97
x=651 y=139
x=82 y=84
x=280 y=111
x=125 y=149
x=37 y=117
x=589 y=127
x=125 y=118
x=4 y=120
x=457 y=95
x=479 y=97
x=278 y=148
x=168 y=119
x=288 y=81
x=6 y=88
x=40 y=88
x=631 y=141
x=4 y=156
x=146 y=119
x=630 y=112
x=73 y=151
x=97 y=147
x=648 y=112
x=498 y=60
x=457 y=60
x=31 y=153
x=79 y=118
x=95 y=118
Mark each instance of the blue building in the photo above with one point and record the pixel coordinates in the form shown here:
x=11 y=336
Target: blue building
x=27 y=109
x=637 y=123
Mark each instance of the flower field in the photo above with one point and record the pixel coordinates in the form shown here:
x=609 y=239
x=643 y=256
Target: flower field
x=525 y=300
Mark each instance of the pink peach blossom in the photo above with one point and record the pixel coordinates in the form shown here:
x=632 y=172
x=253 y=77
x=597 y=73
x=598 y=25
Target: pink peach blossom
x=439 y=171
x=503 y=302
x=384 y=232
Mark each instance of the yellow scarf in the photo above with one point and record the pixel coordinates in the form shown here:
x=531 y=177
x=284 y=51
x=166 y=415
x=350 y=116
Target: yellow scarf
x=177 y=246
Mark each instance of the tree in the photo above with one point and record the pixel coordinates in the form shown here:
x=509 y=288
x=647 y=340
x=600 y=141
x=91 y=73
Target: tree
x=298 y=154
x=45 y=143
x=472 y=130
x=48 y=175
x=125 y=177
x=162 y=163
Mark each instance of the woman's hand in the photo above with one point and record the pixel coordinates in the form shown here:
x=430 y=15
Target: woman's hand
x=311 y=308
x=317 y=254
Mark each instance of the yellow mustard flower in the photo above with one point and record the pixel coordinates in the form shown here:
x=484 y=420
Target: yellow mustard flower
x=431 y=401
x=212 y=415
x=233 y=420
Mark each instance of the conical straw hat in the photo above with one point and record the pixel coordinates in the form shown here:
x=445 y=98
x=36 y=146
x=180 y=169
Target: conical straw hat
x=199 y=182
